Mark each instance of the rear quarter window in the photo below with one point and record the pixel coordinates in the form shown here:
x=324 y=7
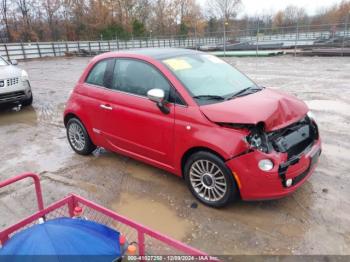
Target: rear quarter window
x=97 y=74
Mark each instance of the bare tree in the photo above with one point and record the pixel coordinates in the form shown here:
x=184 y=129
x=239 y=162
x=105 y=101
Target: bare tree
x=126 y=9
x=47 y=20
x=23 y=6
x=143 y=10
x=4 y=10
x=164 y=17
x=66 y=15
x=294 y=15
x=189 y=12
x=79 y=11
x=51 y=7
x=278 y=19
x=224 y=9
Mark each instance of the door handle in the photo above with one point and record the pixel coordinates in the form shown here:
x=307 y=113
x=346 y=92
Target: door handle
x=107 y=107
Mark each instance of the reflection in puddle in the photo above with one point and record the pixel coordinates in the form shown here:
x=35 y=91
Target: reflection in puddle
x=152 y=214
x=9 y=115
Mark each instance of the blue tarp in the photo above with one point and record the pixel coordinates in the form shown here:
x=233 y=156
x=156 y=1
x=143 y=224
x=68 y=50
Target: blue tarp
x=63 y=237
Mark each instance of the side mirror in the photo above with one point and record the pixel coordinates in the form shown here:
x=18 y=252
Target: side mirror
x=14 y=62
x=158 y=96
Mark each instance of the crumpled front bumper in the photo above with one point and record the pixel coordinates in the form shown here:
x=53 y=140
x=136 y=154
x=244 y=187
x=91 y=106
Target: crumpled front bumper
x=255 y=184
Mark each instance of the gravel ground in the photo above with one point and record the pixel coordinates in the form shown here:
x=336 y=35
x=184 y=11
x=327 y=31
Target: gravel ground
x=314 y=220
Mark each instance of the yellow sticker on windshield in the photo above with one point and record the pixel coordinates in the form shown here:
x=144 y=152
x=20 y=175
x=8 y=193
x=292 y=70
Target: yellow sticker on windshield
x=177 y=64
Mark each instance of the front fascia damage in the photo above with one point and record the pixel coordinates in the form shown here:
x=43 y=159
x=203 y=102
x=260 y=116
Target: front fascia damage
x=290 y=142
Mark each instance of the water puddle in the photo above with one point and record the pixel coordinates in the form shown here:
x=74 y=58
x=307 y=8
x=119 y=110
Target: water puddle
x=9 y=116
x=155 y=215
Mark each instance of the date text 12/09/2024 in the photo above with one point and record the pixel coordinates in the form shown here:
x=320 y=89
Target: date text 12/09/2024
x=172 y=258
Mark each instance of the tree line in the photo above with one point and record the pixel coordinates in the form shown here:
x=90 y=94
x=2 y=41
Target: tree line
x=56 y=20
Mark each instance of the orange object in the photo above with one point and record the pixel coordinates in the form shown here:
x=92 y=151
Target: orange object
x=237 y=180
x=131 y=250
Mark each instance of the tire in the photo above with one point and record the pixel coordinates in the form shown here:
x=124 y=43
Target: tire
x=78 y=137
x=28 y=101
x=203 y=172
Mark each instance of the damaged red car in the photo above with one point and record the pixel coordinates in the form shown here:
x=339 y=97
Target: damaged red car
x=196 y=116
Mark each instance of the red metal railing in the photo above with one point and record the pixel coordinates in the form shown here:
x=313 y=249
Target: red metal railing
x=100 y=214
x=36 y=179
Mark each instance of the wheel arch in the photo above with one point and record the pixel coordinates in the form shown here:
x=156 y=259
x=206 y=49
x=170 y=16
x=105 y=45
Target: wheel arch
x=69 y=116
x=83 y=120
x=194 y=150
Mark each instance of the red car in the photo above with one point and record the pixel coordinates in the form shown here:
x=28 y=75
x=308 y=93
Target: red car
x=196 y=116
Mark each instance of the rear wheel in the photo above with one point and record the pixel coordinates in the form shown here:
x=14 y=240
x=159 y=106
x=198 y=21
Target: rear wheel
x=210 y=180
x=78 y=137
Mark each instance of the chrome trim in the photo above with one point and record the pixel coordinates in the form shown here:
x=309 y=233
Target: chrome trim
x=106 y=107
x=115 y=90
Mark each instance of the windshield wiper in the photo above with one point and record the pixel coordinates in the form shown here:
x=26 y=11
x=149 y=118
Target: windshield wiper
x=252 y=89
x=209 y=97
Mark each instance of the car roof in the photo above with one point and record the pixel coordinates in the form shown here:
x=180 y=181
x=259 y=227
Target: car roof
x=160 y=53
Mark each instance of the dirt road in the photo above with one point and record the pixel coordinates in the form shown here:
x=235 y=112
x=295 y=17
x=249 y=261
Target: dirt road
x=314 y=220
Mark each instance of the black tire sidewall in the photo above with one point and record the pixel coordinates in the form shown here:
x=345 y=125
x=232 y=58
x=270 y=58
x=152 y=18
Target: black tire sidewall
x=89 y=146
x=28 y=101
x=231 y=193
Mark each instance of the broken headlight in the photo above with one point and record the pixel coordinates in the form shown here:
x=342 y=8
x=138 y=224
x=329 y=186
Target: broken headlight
x=257 y=139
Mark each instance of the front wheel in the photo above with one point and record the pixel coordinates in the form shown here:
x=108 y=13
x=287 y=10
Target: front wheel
x=78 y=137
x=210 y=180
x=28 y=101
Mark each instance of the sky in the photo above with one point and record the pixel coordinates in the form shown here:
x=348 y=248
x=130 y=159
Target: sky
x=256 y=7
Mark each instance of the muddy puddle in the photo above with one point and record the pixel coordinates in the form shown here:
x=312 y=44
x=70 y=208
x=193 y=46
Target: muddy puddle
x=153 y=214
x=14 y=116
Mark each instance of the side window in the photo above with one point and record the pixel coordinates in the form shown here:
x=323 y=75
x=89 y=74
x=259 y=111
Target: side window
x=138 y=78
x=97 y=74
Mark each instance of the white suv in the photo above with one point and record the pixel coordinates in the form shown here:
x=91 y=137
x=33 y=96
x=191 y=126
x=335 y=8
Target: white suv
x=14 y=84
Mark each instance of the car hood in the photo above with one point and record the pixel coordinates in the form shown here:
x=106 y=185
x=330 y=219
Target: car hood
x=274 y=108
x=9 y=71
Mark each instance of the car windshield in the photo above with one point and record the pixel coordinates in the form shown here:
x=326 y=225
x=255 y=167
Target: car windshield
x=3 y=62
x=208 y=78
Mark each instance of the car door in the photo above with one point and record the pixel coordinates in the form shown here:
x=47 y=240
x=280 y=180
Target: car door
x=91 y=94
x=132 y=123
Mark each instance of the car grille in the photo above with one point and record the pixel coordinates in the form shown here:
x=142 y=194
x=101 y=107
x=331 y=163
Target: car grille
x=289 y=139
x=12 y=96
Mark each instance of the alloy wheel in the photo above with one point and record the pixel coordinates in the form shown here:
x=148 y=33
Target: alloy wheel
x=76 y=136
x=208 y=180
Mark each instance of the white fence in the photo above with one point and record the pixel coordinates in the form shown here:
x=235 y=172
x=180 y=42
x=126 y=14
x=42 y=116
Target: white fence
x=22 y=51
